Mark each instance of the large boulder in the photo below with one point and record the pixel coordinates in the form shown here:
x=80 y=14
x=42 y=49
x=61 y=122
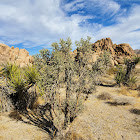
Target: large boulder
x=4 y=49
x=124 y=50
x=103 y=45
x=15 y=55
x=118 y=52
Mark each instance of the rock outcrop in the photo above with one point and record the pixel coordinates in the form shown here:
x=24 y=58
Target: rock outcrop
x=14 y=55
x=118 y=52
x=104 y=45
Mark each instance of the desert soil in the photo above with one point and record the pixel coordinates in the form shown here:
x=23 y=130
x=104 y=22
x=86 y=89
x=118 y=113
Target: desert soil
x=103 y=121
x=99 y=120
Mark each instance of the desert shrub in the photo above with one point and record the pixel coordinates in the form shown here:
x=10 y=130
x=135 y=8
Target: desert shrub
x=8 y=69
x=119 y=78
x=132 y=81
x=19 y=80
x=104 y=96
x=58 y=68
x=31 y=75
x=124 y=74
x=74 y=107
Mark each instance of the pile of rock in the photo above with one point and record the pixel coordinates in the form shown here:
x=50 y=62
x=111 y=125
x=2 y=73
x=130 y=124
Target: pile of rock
x=118 y=52
x=15 y=55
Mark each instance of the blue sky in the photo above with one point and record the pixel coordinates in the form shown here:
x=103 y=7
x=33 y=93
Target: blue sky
x=36 y=24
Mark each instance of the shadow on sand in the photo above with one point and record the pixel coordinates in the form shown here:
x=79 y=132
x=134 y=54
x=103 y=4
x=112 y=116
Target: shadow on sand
x=37 y=118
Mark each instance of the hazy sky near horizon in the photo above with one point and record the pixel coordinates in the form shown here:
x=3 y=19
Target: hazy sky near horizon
x=36 y=24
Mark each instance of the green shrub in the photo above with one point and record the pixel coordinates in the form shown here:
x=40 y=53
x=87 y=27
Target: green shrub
x=9 y=69
x=119 y=78
x=132 y=81
x=31 y=74
x=17 y=81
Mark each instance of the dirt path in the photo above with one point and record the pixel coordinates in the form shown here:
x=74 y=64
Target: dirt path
x=101 y=121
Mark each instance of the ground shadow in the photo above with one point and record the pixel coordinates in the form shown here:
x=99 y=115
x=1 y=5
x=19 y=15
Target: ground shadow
x=135 y=111
x=105 y=85
x=37 y=118
x=116 y=104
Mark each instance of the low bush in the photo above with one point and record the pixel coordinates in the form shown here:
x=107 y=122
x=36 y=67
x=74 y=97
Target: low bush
x=119 y=78
x=104 y=96
x=19 y=80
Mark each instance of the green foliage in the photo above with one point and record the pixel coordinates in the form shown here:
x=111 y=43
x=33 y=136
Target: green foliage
x=17 y=81
x=136 y=60
x=124 y=74
x=9 y=69
x=132 y=81
x=84 y=45
x=119 y=78
x=76 y=74
x=105 y=59
x=31 y=74
x=112 y=70
x=102 y=64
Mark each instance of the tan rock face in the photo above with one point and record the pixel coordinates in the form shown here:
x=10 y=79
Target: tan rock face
x=104 y=45
x=124 y=49
x=118 y=52
x=14 y=55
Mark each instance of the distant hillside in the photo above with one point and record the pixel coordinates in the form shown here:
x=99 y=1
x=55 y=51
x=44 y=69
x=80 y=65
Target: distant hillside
x=137 y=51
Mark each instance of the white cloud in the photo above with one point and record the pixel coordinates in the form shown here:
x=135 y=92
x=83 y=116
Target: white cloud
x=39 y=22
x=125 y=29
x=74 y=5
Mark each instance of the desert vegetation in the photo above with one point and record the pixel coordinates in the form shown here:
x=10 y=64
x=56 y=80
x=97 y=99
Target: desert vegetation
x=52 y=91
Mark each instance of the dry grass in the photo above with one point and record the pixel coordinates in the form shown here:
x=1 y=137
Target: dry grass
x=128 y=92
x=111 y=70
x=123 y=100
x=104 y=96
x=124 y=91
x=73 y=136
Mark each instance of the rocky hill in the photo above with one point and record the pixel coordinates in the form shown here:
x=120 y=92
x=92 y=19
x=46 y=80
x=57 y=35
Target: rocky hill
x=118 y=52
x=20 y=56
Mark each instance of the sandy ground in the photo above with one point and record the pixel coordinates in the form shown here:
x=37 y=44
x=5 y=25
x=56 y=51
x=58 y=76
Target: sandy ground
x=101 y=121
x=10 y=129
x=98 y=121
